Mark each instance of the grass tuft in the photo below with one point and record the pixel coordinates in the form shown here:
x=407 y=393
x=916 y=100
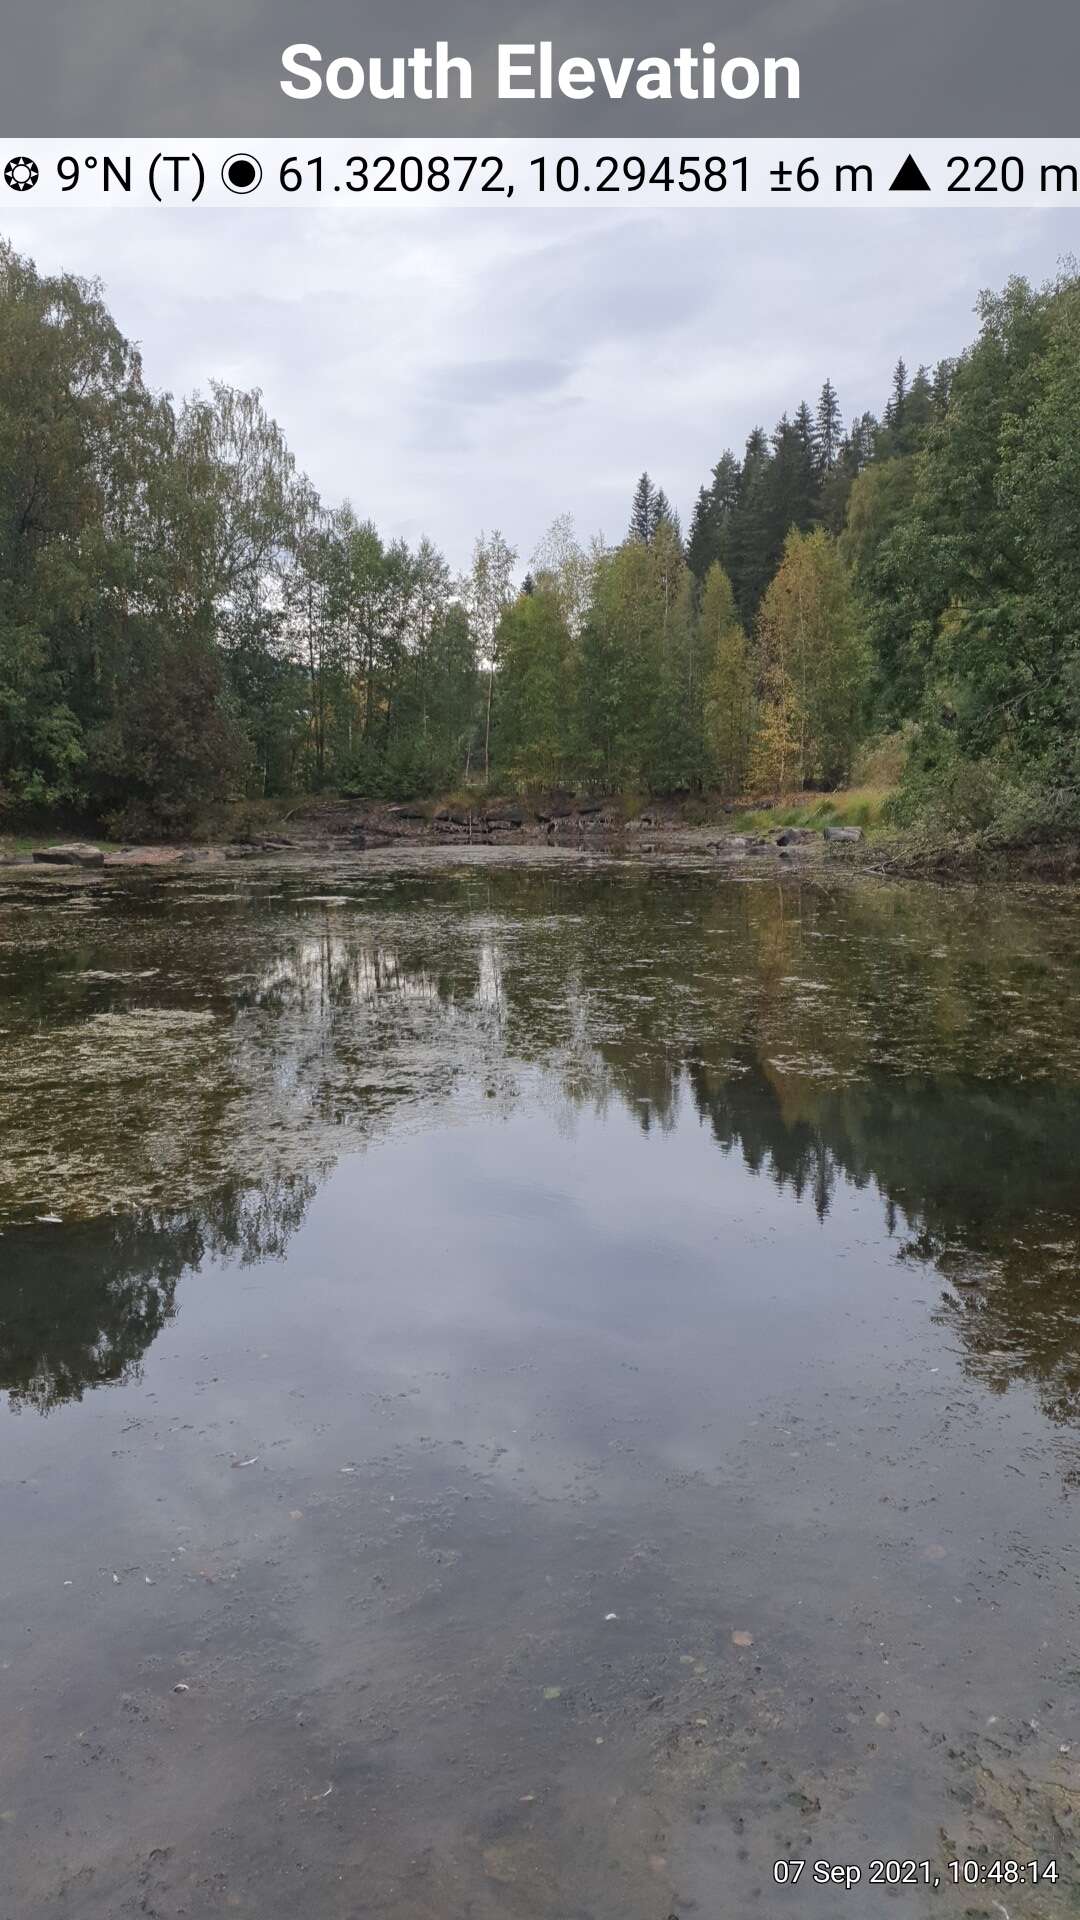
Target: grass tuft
x=855 y=807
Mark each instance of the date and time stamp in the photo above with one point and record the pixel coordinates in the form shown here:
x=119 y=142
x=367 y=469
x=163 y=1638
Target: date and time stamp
x=972 y=1872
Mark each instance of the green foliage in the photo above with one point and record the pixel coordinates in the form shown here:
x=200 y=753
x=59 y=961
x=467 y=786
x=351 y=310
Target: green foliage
x=729 y=690
x=488 y=593
x=181 y=623
x=535 y=734
x=814 y=668
x=980 y=576
x=186 y=629
x=642 y=670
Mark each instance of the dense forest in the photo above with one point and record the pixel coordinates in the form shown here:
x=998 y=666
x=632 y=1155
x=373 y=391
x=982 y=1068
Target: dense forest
x=185 y=625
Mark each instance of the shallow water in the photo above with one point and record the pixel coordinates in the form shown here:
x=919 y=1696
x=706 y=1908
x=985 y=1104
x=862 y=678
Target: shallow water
x=571 y=1368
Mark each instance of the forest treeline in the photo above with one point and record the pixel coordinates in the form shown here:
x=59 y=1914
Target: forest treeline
x=184 y=623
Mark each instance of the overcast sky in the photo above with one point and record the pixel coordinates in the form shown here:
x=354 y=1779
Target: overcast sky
x=448 y=373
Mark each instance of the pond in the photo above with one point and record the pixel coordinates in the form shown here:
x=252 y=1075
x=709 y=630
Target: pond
x=537 y=1386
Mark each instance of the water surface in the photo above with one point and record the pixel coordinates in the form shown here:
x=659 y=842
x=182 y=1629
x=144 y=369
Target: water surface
x=534 y=1387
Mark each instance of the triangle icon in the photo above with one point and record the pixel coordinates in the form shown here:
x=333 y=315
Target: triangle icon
x=910 y=178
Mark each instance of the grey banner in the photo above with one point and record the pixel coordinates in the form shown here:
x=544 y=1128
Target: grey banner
x=171 y=67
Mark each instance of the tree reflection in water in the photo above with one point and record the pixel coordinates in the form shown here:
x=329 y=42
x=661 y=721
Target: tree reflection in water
x=81 y=1304
x=922 y=1043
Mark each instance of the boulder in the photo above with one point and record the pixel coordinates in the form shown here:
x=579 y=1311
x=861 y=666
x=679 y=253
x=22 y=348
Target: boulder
x=843 y=833
x=796 y=836
x=78 y=854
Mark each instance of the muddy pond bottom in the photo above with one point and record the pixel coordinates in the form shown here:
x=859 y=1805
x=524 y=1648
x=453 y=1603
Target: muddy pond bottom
x=537 y=1388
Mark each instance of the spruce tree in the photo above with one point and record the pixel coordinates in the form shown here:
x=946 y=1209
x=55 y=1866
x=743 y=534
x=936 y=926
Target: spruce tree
x=664 y=515
x=724 y=489
x=942 y=381
x=806 y=433
x=643 y=511
x=662 y=511
x=789 y=495
x=711 y=527
x=701 y=542
x=918 y=410
x=865 y=433
x=829 y=427
x=855 y=451
x=749 y=544
x=896 y=407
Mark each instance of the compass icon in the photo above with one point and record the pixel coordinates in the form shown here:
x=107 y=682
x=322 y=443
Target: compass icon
x=21 y=173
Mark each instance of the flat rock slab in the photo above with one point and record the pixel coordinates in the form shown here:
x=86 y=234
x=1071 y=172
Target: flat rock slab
x=76 y=855
x=146 y=857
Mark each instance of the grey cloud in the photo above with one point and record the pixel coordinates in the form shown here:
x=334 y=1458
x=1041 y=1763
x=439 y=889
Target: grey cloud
x=448 y=373
x=494 y=382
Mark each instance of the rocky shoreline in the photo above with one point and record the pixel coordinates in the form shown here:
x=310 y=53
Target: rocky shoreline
x=593 y=825
x=337 y=827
